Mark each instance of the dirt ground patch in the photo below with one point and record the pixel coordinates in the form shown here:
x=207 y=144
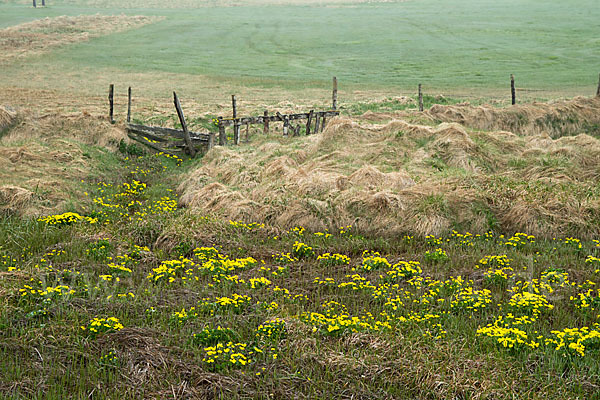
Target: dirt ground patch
x=42 y=35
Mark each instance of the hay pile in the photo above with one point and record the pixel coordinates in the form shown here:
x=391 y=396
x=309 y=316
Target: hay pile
x=400 y=178
x=43 y=161
x=558 y=118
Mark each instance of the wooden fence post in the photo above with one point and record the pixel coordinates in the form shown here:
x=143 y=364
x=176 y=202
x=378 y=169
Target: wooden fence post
x=513 y=91
x=222 y=134
x=420 y=98
x=309 y=121
x=186 y=133
x=211 y=140
x=317 y=122
x=43 y=3
x=34 y=4
x=129 y=104
x=598 y=90
x=334 y=97
x=266 y=122
x=247 y=139
x=236 y=127
x=323 y=123
x=111 y=92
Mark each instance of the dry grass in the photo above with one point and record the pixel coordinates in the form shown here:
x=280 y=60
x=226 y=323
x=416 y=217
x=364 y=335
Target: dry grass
x=42 y=35
x=7 y=118
x=398 y=177
x=564 y=117
x=45 y=158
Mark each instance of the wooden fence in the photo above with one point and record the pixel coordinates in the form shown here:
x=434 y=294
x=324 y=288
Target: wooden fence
x=174 y=141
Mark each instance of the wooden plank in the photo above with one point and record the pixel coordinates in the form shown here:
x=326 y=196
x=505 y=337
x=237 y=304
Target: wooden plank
x=146 y=134
x=309 y=121
x=146 y=143
x=266 y=122
x=186 y=134
x=129 y=104
x=111 y=102
x=158 y=130
x=334 y=97
x=222 y=134
x=513 y=91
x=420 y=98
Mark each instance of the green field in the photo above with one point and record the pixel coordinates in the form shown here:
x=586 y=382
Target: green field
x=456 y=44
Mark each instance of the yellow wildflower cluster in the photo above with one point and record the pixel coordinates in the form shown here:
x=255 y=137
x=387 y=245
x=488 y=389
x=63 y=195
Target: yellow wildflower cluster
x=403 y=270
x=250 y=227
x=302 y=250
x=589 y=300
x=330 y=260
x=109 y=359
x=529 y=303
x=213 y=336
x=470 y=299
x=573 y=242
x=437 y=255
x=228 y=355
x=284 y=258
x=97 y=326
x=509 y=337
x=462 y=239
x=575 y=340
x=184 y=315
x=373 y=261
x=271 y=330
x=67 y=218
x=256 y=283
x=47 y=292
x=519 y=240
x=594 y=262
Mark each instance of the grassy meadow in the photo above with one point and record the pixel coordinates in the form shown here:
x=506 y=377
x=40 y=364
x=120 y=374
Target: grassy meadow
x=140 y=299
x=445 y=254
x=464 y=46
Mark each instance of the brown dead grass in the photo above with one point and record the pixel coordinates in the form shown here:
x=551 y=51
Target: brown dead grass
x=404 y=178
x=42 y=35
x=565 y=117
x=43 y=160
x=7 y=117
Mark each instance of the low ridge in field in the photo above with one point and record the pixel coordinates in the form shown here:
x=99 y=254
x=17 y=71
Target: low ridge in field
x=398 y=177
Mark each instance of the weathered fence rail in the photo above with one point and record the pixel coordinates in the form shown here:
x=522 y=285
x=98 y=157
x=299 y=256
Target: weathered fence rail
x=171 y=141
x=275 y=118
